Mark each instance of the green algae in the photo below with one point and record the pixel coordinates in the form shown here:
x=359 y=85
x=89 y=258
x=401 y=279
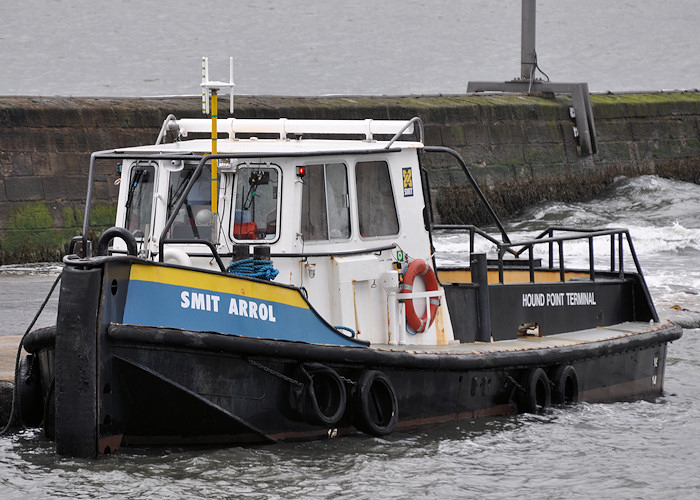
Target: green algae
x=33 y=234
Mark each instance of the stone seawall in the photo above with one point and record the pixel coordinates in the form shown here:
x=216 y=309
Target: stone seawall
x=521 y=149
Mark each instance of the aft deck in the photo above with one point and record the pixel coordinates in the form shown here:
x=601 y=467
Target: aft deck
x=532 y=343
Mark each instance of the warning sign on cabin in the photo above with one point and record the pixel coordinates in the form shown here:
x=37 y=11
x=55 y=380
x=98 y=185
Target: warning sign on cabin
x=407 y=181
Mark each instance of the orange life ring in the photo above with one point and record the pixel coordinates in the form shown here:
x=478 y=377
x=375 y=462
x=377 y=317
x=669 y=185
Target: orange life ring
x=416 y=268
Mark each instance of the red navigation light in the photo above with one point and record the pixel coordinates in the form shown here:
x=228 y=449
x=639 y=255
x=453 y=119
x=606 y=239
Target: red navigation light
x=301 y=172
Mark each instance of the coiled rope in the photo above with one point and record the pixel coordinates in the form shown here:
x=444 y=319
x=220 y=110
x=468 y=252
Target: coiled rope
x=347 y=329
x=255 y=268
x=11 y=417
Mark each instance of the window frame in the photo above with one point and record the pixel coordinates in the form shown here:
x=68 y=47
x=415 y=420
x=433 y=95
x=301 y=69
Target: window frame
x=393 y=199
x=171 y=199
x=236 y=174
x=348 y=199
x=142 y=164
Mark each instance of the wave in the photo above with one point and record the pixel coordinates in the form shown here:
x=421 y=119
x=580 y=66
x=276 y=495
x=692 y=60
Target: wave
x=661 y=215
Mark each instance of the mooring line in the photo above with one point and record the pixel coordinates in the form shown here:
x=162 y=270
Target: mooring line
x=11 y=417
x=274 y=373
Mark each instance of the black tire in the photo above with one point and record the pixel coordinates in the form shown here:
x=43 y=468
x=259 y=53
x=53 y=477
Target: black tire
x=31 y=406
x=565 y=385
x=375 y=408
x=50 y=412
x=537 y=393
x=326 y=397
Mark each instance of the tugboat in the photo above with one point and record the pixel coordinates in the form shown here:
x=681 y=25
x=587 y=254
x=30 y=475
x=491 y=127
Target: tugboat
x=279 y=282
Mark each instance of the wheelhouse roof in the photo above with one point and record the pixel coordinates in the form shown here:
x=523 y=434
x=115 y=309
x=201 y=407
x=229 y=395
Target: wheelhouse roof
x=288 y=137
x=270 y=147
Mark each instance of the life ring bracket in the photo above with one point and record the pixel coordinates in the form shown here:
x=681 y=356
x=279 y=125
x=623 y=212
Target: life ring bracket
x=432 y=295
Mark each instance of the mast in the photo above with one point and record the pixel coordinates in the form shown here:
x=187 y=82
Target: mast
x=210 y=89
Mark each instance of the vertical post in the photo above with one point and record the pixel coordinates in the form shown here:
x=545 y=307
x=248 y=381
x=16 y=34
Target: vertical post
x=392 y=308
x=527 y=40
x=401 y=326
x=205 y=91
x=591 y=259
x=582 y=124
x=76 y=386
x=612 y=253
x=214 y=162
x=230 y=79
x=562 y=271
x=480 y=276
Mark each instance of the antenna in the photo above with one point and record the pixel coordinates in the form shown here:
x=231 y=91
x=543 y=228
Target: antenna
x=208 y=86
x=210 y=90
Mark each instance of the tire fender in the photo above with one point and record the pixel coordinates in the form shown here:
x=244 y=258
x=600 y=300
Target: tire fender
x=31 y=408
x=537 y=392
x=325 y=397
x=375 y=405
x=565 y=385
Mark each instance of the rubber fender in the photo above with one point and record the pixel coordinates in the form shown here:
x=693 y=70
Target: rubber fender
x=117 y=232
x=565 y=385
x=325 y=396
x=375 y=406
x=50 y=412
x=31 y=407
x=537 y=393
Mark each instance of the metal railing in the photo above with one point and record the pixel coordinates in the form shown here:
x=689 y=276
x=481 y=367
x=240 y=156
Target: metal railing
x=619 y=239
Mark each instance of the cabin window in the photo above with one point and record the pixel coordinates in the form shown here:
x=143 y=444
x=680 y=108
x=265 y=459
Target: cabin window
x=256 y=210
x=325 y=205
x=193 y=220
x=139 y=200
x=375 y=199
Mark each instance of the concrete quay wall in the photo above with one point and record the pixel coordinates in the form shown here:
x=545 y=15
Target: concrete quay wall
x=521 y=149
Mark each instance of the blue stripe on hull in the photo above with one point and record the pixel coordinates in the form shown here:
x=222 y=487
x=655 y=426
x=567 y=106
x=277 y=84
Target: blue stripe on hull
x=163 y=305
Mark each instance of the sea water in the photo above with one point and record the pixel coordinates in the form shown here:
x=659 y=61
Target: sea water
x=636 y=449
x=314 y=47
x=132 y=48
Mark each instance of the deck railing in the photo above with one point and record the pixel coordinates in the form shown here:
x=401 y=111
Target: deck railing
x=619 y=238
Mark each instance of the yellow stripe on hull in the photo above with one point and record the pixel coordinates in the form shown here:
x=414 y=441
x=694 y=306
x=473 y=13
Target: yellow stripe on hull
x=217 y=283
x=509 y=276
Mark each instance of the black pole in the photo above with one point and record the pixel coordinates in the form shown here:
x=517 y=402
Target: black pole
x=479 y=269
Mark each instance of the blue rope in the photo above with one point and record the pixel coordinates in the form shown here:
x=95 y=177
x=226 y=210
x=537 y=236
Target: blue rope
x=347 y=329
x=255 y=268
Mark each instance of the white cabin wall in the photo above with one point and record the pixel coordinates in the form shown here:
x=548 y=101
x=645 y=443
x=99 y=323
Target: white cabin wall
x=351 y=290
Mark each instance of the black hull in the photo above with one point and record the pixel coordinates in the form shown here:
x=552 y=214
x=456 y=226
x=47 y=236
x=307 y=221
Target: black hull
x=105 y=384
x=168 y=386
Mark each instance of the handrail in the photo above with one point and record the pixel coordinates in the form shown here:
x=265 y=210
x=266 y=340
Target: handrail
x=207 y=243
x=340 y=253
x=284 y=127
x=472 y=231
x=280 y=255
x=585 y=234
x=198 y=170
x=121 y=154
x=547 y=237
x=470 y=177
x=413 y=120
x=164 y=128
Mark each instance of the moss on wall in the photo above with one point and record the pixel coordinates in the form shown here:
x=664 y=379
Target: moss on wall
x=521 y=150
x=34 y=235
